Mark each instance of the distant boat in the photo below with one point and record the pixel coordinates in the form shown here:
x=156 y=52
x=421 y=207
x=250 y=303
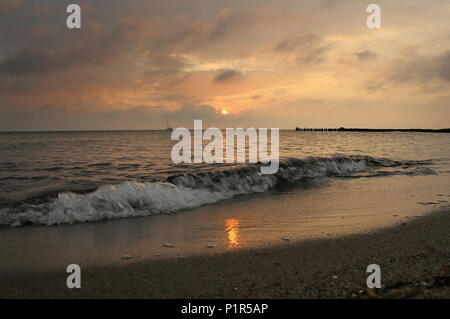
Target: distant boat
x=168 y=128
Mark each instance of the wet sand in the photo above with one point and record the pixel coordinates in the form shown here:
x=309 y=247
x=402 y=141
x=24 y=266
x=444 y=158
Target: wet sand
x=414 y=258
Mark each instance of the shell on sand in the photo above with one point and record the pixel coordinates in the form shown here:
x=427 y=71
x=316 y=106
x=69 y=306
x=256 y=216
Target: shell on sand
x=285 y=238
x=210 y=246
x=167 y=245
x=127 y=257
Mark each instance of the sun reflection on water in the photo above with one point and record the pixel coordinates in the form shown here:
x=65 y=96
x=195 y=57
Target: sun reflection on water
x=232 y=229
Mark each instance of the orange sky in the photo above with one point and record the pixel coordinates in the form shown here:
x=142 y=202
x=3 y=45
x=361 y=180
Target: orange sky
x=273 y=63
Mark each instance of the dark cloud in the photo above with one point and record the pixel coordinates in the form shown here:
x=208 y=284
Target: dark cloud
x=163 y=64
x=442 y=66
x=200 y=34
x=431 y=74
x=36 y=58
x=309 y=48
x=6 y=5
x=226 y=75
x=165 y=71
x=366 y=55
x=298 y=42
x=424 y=69
x=33 y=60
x=374 y=86
x=231 y=21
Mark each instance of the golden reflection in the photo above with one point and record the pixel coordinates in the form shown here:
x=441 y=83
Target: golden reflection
x=232 y=229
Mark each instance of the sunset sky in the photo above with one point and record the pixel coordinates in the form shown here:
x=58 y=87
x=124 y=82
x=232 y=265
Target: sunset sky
x=267 y=63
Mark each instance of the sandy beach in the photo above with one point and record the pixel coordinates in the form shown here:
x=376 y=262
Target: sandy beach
x=414 y=258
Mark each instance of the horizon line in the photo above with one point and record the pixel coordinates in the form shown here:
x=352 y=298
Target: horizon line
x=306 y=129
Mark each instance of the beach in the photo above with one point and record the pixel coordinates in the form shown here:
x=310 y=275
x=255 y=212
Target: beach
x=414 y=258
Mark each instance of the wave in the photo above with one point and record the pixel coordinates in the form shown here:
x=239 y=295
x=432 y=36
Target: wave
x=179 y=192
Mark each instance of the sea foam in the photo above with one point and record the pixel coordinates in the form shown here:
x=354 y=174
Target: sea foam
x=133 y=198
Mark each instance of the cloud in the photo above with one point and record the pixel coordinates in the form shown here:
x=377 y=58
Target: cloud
x=38 y=58
x=163 y=64
x=308 y=48
x=227 y=75
x=424 y=69
x=297 y=42
x=6 y=5
x=374 y=86
x=424 y=74
x=165 y=71
x=201 y=34
x=441 y=66
x=366 y=55
x=230 y=21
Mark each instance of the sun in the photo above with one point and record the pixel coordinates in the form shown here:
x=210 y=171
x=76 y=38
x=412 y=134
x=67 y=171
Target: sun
x=224 y=112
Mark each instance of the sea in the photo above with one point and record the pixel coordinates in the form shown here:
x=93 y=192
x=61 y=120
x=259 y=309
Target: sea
x=114 y=193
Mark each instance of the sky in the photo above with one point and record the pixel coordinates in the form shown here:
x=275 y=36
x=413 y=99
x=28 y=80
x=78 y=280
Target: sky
x=267 y=63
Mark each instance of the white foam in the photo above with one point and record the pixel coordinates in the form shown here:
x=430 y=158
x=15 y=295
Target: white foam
x=129 y=199
x=133 y=199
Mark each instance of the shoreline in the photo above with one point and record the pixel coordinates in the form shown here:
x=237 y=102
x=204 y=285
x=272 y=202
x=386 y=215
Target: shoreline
x=414 y=258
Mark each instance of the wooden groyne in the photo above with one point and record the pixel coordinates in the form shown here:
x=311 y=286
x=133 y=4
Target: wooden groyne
x=343 y=129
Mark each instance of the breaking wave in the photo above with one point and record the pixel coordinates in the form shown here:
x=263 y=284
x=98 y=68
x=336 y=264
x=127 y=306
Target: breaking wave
x=179 y=192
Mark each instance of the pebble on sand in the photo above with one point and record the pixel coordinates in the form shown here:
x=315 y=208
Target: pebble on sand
x=167 y=245
x=210 y=246
x=127 y=257
x=286 y=239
